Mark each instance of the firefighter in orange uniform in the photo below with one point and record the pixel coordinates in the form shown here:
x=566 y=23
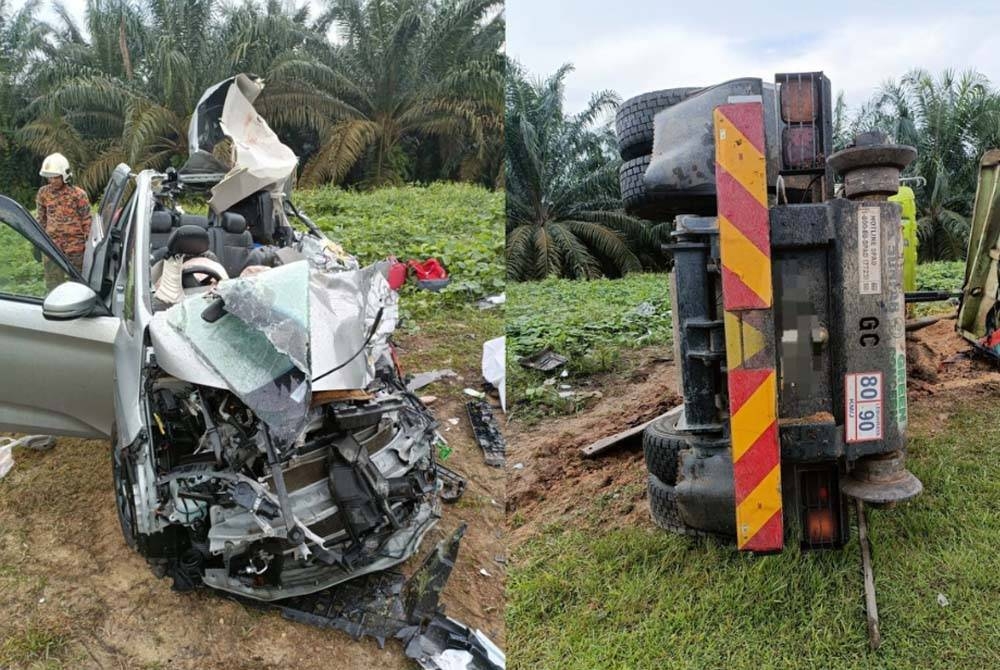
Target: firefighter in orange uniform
x=64 y=214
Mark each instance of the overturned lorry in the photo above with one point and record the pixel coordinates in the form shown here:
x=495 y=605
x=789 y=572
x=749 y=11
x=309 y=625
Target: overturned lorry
x=788 y=311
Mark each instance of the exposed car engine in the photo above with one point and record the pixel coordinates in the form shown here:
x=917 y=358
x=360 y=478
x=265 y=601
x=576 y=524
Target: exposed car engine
x=359 y=483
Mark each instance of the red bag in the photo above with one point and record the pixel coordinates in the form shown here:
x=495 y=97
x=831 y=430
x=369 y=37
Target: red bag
x=429 y=269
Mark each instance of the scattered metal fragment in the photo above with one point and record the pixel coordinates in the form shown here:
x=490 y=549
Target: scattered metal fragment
x=871 y=606
x=445 y=644
x=473 y=393
x=488 y=436
x=35 y=442
x=492 y=301
x=423 y=379
x=545 y=360
x=386 y=604
x=453 y=484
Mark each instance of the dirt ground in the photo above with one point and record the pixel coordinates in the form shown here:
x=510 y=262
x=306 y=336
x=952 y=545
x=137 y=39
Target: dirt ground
x=72 y=592
x=550 y=482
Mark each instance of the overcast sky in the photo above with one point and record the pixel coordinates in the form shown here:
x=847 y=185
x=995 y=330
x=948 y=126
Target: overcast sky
x=634 y=46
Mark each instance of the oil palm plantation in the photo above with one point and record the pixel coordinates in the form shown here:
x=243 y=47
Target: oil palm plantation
x=564 y=213
x=409 y=78
x=409 y=73
x=951 y=120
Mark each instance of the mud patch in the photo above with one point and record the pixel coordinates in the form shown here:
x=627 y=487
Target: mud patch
x=938 y=359
x=550 y=482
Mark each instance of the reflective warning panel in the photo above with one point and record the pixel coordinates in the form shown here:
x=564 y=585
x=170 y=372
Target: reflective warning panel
x=744 y=237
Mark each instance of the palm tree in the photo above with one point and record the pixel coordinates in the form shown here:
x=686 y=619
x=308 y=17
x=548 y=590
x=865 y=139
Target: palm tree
x=408 y=70
x=125 y=93
x=22 y=36
x=951 y=120
x=564 y=213
x=412 y=77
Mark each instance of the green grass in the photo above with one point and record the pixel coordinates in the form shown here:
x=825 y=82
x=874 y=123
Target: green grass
x=639 y=598
x=20 y=273
x=32 y=647
x=574 y=317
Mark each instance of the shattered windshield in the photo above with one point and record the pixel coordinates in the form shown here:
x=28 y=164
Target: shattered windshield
x=285 y=333
x=260 y=346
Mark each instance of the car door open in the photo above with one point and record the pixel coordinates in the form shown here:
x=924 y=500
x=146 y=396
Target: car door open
x=56 y=374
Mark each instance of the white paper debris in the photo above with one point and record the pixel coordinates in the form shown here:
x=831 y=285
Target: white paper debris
x=495 y=366
x=942 y=600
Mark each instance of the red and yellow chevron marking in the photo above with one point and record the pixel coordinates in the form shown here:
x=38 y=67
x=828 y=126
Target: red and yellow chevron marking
x=744 y=238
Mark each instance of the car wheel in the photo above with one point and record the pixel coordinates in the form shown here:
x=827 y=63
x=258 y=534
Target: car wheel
x=634 y=120
x=124 y=495
x=661 y=445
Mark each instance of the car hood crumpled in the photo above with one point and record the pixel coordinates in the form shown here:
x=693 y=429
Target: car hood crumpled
x=281 y=330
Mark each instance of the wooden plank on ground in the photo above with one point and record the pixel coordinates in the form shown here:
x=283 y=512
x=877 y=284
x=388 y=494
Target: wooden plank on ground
x=606 y=443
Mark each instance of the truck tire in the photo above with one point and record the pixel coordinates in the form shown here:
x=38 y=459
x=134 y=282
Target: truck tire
x=634 y=119
x=633 y=187
x=665 y=511
x=661 y=445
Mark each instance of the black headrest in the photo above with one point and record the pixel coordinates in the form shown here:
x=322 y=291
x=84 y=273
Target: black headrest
x=194 y=220
x=233 y=223
x=161 y=222
x=188 y=240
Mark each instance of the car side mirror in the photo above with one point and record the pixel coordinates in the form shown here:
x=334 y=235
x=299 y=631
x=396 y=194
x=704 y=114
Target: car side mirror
x=69 y=300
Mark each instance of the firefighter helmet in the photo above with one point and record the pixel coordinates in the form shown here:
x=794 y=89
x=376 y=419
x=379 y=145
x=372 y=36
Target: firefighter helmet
x=55 y=165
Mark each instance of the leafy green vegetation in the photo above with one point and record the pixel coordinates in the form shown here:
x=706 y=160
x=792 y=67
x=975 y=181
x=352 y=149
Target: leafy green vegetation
x=941 y=276
x=20 y=273
x=574 y=318
x=459 y=224
x=594 y=323
x=641 y=598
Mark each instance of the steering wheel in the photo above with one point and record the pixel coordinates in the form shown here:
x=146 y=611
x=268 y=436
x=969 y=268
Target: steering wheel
x=188 y=279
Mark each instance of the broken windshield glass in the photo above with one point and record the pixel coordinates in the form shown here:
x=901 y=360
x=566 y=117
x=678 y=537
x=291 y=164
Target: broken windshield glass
x=260 y=346
x=280 y=329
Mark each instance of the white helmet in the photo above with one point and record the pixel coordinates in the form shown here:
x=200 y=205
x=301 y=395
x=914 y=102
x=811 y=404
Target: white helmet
x=55 y=165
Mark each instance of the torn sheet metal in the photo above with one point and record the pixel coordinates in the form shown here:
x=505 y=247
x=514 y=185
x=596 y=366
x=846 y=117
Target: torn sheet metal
x=446 y=644
x=386 y=605
x=345 y=306
x=422 y=379
x=260 y=160
x=487 y=433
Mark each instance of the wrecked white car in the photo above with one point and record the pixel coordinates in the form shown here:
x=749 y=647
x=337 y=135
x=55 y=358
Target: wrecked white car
x=265 y=443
